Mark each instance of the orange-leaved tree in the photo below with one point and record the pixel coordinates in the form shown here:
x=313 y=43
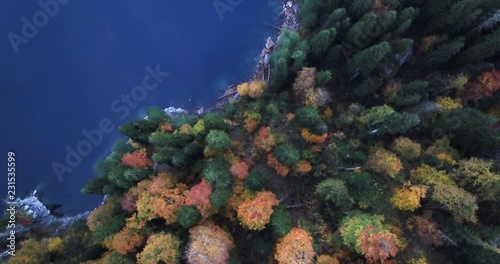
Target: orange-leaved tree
x=296 y=247
x=264 y=140
x=255 y=214
x=312 y=138
x=126 y=241
x=137 y=159
x=208 y=243
x=303 y=167
x=279 y=167
x=239 y=170
x=378 y=246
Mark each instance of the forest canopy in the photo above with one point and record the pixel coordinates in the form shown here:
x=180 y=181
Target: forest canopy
x=376 y=140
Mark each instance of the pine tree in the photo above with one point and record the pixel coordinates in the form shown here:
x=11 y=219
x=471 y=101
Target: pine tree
x=461 y=14
x=412 y=93
x=309 y=13
x=322 y=41
x=359 y=8
x=442 y=53
x=366 y=60
x=480 y=51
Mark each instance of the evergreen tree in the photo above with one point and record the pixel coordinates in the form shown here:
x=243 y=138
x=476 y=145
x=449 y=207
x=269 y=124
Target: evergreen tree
x=366 y=61
x=480 y=51
x=309 y=13
x=322 y=41
x=442 y=53
x=461 y=14
x=412 y=93
x=359 y=7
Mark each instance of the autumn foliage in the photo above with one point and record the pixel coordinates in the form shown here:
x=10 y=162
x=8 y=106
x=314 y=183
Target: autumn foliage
x=296 y=247
x=126 y=241
x=408 y=198
x=312 y=138
x=484 y=86
x=208 y=243
x=199 y=196
x=378 y=246
x=160 y=247
x=279 y=167
x=239 y=170
x=303 y=167
x=253 y=89
x=255 y=214
x=138 y=159
x=427 y=231
x=162 y=200
x=264 y=140
x=384 y=162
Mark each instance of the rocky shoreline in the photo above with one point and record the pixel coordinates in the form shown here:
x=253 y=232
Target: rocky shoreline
x=42 y=217
x=263 y=69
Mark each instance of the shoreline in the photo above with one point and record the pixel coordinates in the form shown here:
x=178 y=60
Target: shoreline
x=42 y=216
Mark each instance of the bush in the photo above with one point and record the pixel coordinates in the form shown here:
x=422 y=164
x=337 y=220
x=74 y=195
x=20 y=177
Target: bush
x=287 y=154
x=218 y=140
x=188 y=216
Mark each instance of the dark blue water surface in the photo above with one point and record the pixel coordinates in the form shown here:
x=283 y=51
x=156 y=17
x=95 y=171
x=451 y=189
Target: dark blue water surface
x=65 y=79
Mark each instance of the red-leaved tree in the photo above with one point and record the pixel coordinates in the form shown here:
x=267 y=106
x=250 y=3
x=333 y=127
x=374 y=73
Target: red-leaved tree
x=137 y=159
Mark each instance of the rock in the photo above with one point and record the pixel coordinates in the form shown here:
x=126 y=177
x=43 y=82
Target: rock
x=270 y=44
x=266 y=59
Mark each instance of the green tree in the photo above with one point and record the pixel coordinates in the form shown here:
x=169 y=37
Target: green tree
x=214 y=121
x=307 y=117
x=461 y=14
x=443 y=53
x=256 y=179
x=218 y=140
x=287 y=154
x=477 y=176
x=486 y=48
x=351 y=228
x=334 y=191
x=281 y=220
x=188 y=216
x=156 y=116
x=366 y=60
x=309 y=13
x=322 y=41
x=359 y=7
x=461 y=204
x=217 y=173
x=220 y=196
x=323 y=77
x=412 y=93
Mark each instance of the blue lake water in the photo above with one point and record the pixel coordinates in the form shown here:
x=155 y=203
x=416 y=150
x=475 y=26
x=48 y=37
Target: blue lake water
x=90 y=53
